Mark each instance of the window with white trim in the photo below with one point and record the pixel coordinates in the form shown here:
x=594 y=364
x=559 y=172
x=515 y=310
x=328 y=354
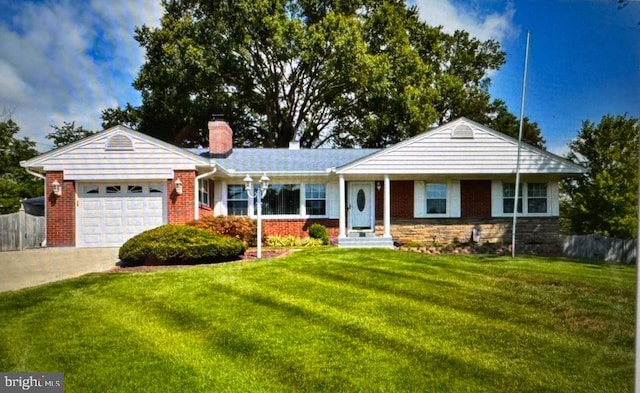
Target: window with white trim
x=203 y=191
x=282 y=199
x=537 y=197
x=532 y=196
x=508 y=197
x=436 y=196
x=237 y=200
x=315 y=199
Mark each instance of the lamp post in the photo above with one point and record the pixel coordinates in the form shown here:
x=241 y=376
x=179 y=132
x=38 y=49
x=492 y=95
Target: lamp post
x=258 y=194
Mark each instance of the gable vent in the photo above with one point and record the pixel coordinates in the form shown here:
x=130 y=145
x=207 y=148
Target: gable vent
x=462 y=131
x=119 y=142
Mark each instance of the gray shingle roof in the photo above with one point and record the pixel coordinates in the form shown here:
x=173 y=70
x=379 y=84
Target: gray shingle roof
x=285 y=160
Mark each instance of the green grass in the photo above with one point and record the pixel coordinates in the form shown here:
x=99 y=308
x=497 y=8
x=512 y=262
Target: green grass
x=333 y=320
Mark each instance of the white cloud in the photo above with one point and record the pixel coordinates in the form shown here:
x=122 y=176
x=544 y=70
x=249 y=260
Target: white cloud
x=480 y=21
x=63 y=60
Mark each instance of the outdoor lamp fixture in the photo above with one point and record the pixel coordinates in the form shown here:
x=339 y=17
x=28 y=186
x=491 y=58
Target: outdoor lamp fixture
x=57 y=188
x=378 y=185
x=258 y=194
x=178 y=184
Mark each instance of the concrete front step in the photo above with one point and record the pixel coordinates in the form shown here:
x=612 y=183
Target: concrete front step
x=365 y=242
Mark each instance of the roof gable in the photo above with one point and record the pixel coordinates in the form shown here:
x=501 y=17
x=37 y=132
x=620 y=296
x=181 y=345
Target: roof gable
x=117 y=152
x=461 y=147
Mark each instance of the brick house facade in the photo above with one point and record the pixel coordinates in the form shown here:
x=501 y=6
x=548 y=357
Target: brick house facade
x=438 y=186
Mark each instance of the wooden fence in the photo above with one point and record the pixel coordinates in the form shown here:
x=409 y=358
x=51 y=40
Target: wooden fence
x=600 y=248
x=20 y=230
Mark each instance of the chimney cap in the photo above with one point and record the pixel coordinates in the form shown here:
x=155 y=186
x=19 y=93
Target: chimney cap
x=294 y=145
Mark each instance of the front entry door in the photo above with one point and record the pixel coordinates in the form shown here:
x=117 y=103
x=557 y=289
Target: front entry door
x=361 y=206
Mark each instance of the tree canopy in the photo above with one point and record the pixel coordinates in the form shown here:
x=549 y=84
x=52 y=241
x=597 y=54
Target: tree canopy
x=605 y=200
x=15 y=183
x=68 y=133
x=337 y=72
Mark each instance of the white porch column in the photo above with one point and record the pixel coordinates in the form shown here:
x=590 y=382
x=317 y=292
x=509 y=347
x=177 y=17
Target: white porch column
x=343 y=209
x=387 y=206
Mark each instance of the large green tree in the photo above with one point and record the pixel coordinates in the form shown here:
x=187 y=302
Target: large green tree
x=341 y=72
x=15 y=183
x=605 y=200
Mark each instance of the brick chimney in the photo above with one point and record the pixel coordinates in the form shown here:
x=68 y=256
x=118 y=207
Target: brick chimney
x=220 y=138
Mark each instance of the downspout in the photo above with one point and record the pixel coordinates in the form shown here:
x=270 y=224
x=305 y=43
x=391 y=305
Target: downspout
x=196 y=207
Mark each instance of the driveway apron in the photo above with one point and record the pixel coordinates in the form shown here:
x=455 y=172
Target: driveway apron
x=28 y=268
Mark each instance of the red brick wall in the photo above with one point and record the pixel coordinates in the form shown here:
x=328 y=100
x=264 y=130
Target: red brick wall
x=401 y=200
x=476 y=198
x=297 y=227
x=61 y=212
x=180 y=209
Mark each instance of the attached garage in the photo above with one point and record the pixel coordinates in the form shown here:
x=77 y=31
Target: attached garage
x=109 y=214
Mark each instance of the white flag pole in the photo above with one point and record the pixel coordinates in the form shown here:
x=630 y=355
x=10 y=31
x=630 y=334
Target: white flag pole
x=517 y=190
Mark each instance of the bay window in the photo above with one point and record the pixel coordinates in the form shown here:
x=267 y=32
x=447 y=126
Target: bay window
x=281 y=199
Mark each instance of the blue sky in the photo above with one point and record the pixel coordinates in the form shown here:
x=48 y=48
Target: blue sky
x=65 y=60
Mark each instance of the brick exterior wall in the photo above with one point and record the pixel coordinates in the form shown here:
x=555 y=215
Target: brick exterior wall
x=180 y=207
x=401 y=199
x=61 y=212
x=530 y=231
x=476 y=198
x=297 y=227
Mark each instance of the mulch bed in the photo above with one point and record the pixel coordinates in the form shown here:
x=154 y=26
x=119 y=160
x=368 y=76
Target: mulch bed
x=249 y=255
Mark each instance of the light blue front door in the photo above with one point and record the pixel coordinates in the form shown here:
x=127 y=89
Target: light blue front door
x=361 y=206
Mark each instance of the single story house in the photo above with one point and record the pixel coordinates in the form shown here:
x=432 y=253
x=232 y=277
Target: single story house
x=440 y=186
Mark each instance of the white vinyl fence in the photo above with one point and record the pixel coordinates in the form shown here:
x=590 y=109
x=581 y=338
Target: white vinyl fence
x=600 y=248
x=20 y=230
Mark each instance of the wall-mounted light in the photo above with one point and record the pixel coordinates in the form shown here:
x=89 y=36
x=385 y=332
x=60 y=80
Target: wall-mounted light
x=57 y=188
x=378 y=185
x=178 y=185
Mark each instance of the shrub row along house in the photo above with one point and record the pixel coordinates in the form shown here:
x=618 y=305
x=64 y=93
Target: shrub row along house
x=440 y=186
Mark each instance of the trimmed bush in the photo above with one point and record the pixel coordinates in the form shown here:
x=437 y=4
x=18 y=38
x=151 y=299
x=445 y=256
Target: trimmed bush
x=318 y=231
x=179 y=245
x=242 y=228
x=292 y=241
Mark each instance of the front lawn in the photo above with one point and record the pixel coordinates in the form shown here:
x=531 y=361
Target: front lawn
x=332 y=320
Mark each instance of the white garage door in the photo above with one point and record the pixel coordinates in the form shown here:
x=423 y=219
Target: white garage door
x=110 y=214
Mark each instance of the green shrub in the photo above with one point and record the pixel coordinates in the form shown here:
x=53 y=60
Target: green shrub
x=178 y=245
x=242 y=228
x=292 y=241
x=318 y=231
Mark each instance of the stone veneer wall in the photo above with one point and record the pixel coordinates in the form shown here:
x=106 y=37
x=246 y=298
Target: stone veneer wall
x=543 y=231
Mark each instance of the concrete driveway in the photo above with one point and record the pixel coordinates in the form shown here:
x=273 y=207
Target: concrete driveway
x=28 y=268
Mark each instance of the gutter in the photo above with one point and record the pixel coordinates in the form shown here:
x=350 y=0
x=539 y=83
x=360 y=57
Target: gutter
x=196 y=207
x=36 y=174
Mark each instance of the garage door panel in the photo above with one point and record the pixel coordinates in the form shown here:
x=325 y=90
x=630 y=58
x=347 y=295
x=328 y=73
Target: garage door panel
x=108 y=219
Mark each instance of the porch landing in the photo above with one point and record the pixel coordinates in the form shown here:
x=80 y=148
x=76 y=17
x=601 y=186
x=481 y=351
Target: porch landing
x=365 y=240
